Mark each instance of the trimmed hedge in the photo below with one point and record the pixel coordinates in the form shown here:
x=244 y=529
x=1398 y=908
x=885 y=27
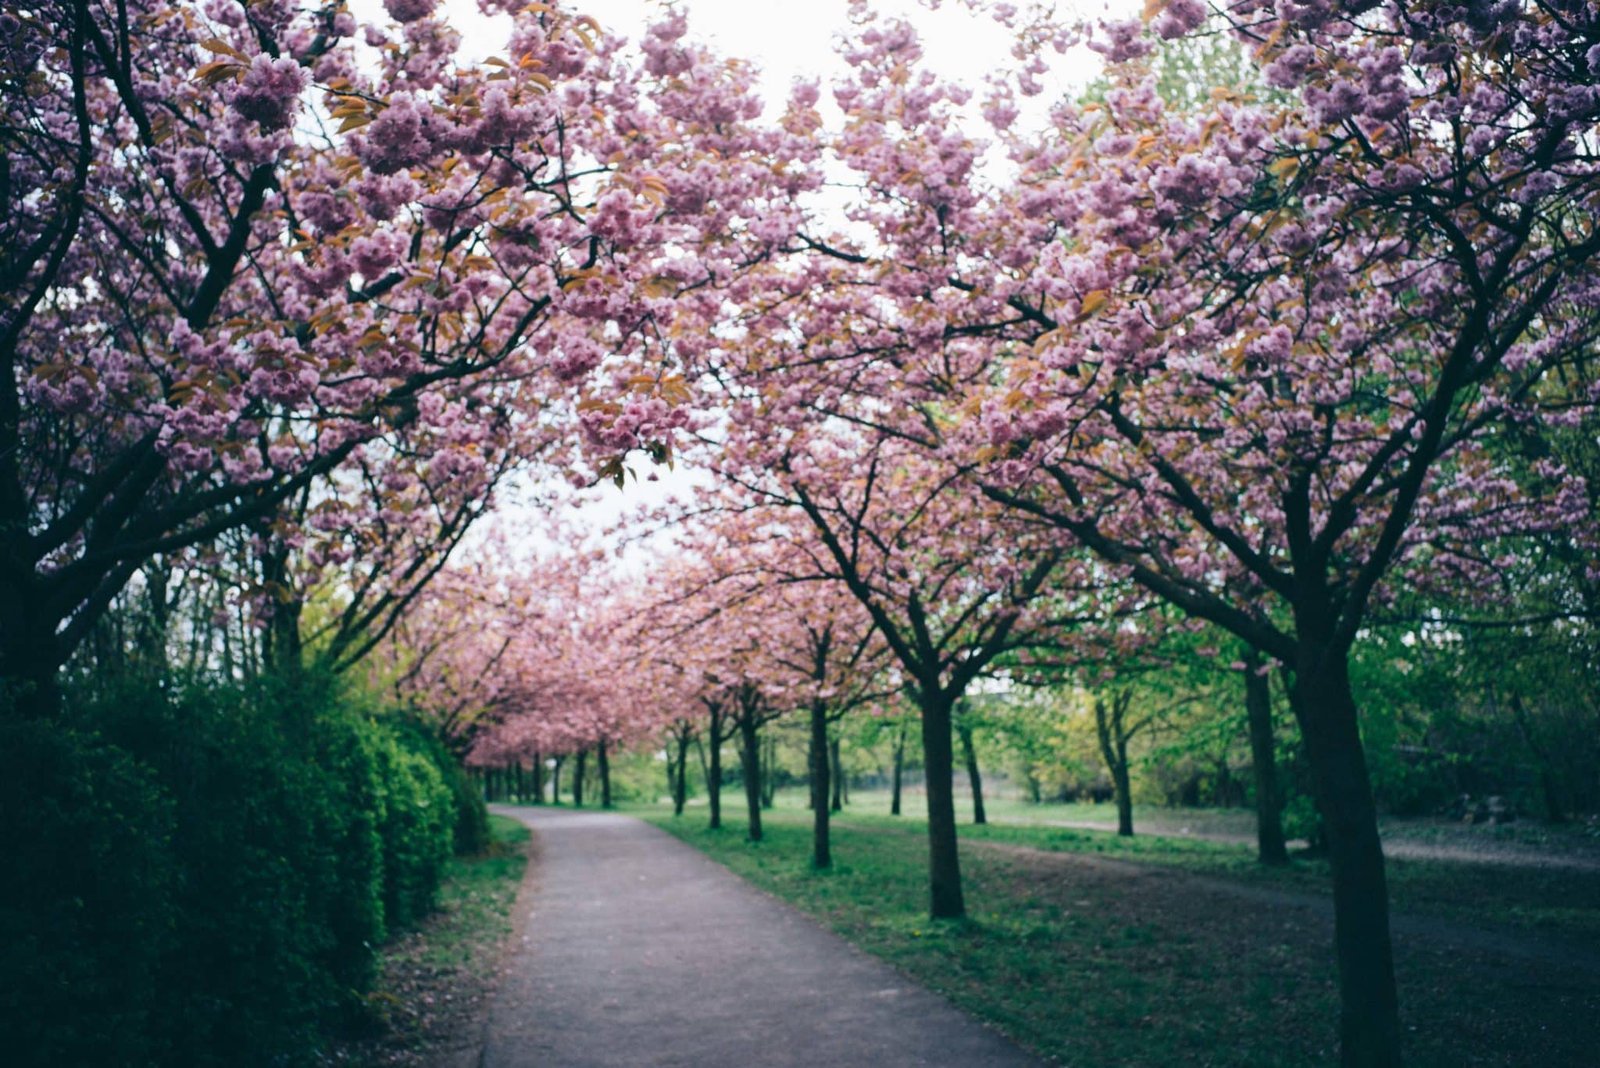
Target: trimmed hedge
x=201 y=876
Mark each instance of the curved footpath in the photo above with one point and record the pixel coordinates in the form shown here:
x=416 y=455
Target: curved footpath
x=637 y=950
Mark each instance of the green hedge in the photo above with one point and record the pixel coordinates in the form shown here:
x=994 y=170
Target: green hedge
x=201 y=875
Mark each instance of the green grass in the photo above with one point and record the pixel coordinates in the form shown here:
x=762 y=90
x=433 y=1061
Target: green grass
x=1553 y=900
x=1098 y=964
x=1058 y=965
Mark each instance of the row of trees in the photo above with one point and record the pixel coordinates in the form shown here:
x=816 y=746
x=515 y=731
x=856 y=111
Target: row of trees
x=1293 y=361
x=1281 y=354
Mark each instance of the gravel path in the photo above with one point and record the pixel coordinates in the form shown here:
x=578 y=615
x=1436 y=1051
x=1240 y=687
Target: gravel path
x=638 y=950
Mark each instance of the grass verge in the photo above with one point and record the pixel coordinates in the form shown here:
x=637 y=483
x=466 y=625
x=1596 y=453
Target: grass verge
x=1112 y=964
x=433 y=982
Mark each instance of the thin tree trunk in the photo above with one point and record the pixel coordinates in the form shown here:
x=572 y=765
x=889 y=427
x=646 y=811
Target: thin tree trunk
x=714 y=779
x=1270 y=847
x=838 y=776
x=818 y=757
x=680 y=789
x=1109 y=728
x=945 y=898
x=769 y=781
x=750 y=760
x=538 y=777
x=1369 y=1030
x=899 y=767
x=577 y=778
x=971 y=755
x=555 y=782
x=605 y=775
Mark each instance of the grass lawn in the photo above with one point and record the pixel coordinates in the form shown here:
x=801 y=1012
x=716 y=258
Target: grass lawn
x=433 y=981
x=1140 y=963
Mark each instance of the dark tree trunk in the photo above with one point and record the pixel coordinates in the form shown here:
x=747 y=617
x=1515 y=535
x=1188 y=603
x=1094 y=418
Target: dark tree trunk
x=1270 y=848
x=605 y=775
x=30 y=653
x=714 y=778
x=1369 y=1028
x=818 y=757
x=938 y=761
x=538 y=777
x=769 y=781
x=837 y=776
x=680 y=788
x=899 y=768
x=555 y=782
x=971 y=756
x=750 y=762
x=1110 y=727
x=577 y=778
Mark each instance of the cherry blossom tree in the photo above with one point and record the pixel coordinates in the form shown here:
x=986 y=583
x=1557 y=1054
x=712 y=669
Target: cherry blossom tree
x=249 y=244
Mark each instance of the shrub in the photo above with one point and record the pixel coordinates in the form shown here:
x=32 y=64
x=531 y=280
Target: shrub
x=87 y=909
x=203 y=875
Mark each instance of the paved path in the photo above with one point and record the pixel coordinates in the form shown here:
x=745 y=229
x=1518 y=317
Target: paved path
x=640 y=951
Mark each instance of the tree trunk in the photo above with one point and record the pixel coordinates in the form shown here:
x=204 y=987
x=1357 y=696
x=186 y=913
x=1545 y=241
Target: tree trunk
x=837 y=776
x=555 y=782
x=1109 y=728
x=750 y=761
x=971 y=755
x=938 y=761
x=1270 y=848
x=899 y=768
x=605 y=775
x=818 y=758
x=680 y=789
x=769 y=781
x=577 y=778
x=1369 y=1030
x=714 y=779
x=538 y=777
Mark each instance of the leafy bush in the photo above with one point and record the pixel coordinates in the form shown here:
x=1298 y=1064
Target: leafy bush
x=203 y=875
x=87 y=910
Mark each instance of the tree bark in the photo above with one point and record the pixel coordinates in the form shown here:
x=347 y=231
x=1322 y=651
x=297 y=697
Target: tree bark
x=973 y=777
x=538 y=777
x=577 y=778
x=899 y=768
x=1270 y=847
x=750 y=760
x=1369 y=1025
x=769 y=782
x=605 y=775
x=714 y=778
x=818 y=757
x=555 y=782
x=1110 y=728
x=945 y=899
x=680 y=789
x=837 y=776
